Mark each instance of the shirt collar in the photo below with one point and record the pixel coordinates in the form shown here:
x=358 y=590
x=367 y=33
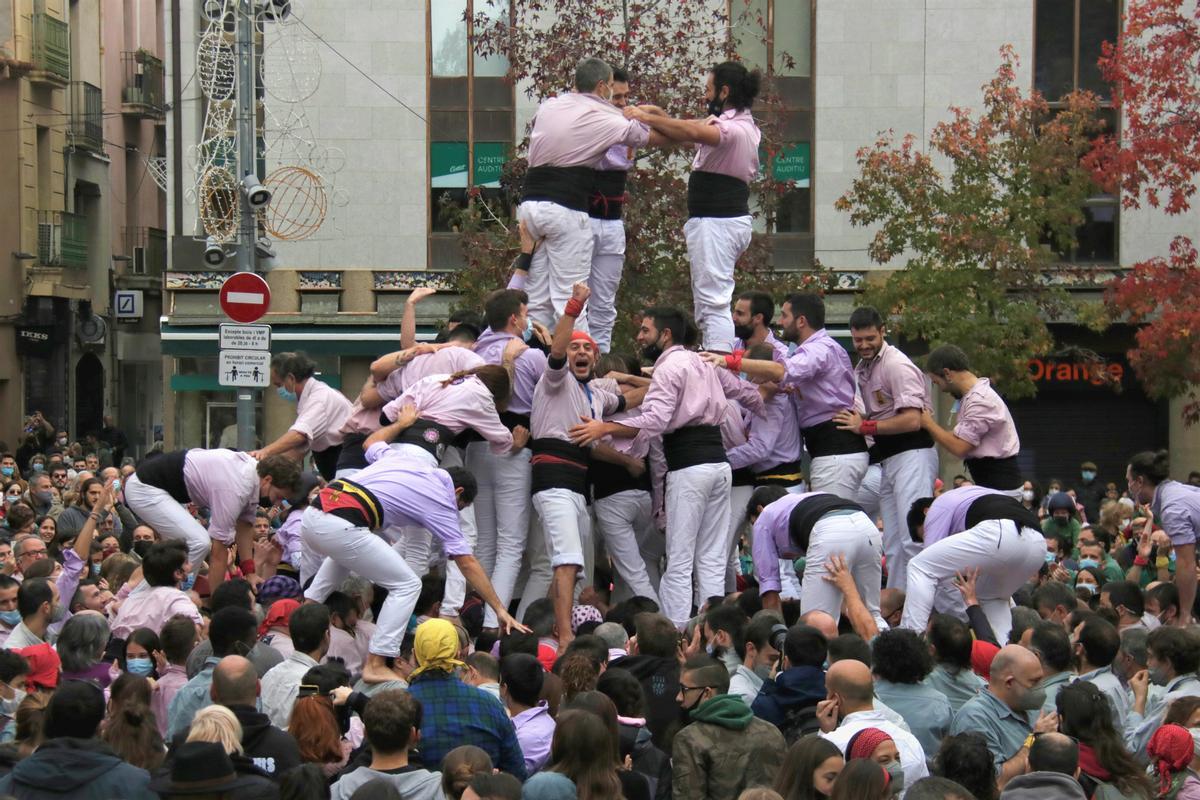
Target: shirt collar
x=302 y=658
x=1002 y=707
x=541 y=708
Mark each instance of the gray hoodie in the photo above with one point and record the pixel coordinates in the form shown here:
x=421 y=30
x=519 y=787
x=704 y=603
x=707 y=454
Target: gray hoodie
x=1042 y=786
x=417 y=784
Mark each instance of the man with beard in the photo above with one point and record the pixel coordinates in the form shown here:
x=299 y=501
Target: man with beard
x=570 y=136
x=563 y=396
x=685 y=404
x=821 y=381
x=719 y=221
x=752 y=315
x=227 y=483
x=985 y=436
x=894 y=393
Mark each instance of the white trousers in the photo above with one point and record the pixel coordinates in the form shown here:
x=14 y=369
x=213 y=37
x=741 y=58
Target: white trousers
x=352 y=550
x=563 y=259
x=869 y=491
x=156 y=508
x=502 y=511
x=456 y=584
x=840 y=474
x=608 y=259
x=854 y=537
x=567 y=525
x=905 y=478
x=714 y=244
x=625 y=521
x=697 y=504
x=739 y=497
x=536 y=575
x=1005 y=558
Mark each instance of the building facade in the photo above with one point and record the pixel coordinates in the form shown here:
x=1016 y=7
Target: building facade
x=389 y=108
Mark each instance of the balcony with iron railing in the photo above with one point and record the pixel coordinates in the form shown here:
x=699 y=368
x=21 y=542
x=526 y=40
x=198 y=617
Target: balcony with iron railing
x=62 y=239
x=51 y=50
x=147 y=249
x=86 y=125
x=142 y=92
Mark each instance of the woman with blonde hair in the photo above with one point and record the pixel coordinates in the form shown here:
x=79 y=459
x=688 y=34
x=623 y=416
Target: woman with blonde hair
x=217 y=724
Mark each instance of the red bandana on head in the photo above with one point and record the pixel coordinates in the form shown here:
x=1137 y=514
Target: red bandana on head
x=580 y=336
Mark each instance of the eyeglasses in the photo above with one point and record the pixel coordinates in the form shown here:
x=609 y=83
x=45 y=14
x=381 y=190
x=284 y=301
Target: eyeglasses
x=686 y=689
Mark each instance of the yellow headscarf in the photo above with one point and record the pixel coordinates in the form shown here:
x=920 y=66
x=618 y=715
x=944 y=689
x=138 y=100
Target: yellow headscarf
x=435 y=646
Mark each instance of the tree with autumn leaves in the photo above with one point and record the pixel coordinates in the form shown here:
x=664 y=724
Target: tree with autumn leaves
x=974 y=222
x=667 y=48
x=1154 y=68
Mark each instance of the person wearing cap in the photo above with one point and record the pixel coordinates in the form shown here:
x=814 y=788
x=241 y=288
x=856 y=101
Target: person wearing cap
x=274 y=632
x=563 y=396
x=72 y=763
x=455 y=713
x=205 y=769
x=1062 y=518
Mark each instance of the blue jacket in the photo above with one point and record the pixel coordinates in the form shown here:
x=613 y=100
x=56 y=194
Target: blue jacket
x=792 y=690
x=76 y=769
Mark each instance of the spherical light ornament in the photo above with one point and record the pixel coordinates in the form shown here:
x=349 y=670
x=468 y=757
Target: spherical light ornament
x=291 y=67
x=298 y=203
x=216 y=66
x=219 y=194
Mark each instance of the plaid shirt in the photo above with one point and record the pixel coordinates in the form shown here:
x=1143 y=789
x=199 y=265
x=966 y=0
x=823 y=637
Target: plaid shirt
x=455 y=714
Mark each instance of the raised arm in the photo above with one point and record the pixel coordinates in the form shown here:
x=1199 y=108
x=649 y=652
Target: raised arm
x=698 y=131
x=408 y=415
x=408 y=322
x=566 y=323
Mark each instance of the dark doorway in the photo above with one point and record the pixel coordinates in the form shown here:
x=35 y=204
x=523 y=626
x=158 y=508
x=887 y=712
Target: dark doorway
x=89 y=394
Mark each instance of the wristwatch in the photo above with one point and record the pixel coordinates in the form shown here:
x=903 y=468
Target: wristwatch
x=1029 y=741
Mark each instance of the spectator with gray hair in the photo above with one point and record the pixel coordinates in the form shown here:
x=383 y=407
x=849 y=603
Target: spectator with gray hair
x=613 y=635
x=81 y=648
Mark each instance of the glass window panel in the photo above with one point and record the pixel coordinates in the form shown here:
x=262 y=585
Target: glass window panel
x=489 y=163
x=749 y=22
x=1098 y=22
x=448 y=36
x=495 y=11
x=1054 y=50
x=793 y=37
x=448 y=165
x=1097 y=237
x=442 y=217
x=795 y=212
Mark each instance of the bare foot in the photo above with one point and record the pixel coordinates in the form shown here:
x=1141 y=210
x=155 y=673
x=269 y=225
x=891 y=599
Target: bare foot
x=376 y=670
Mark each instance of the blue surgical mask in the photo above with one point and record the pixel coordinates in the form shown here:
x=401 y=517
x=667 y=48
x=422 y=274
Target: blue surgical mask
x=1088 y=562
x=286 y=395
x=1049 y=557
x=1088 y=475
x=1090 y=588
x=528 y=334
x=11 y=618
x=116 y=484
x=6 y=471
x=186 y=584
x=95 y=569
x=39 y=466
x=139 y=666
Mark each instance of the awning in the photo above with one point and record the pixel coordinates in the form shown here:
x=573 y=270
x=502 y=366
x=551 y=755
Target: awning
x=327 y=340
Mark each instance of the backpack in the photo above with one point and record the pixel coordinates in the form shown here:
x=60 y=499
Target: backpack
x=799 y=722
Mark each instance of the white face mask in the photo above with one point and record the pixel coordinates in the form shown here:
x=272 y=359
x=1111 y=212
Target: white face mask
x=1027 y=495
x=8 y=707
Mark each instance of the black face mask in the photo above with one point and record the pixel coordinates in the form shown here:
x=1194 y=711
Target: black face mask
x=716 y=105
x=142 y=547
x=264 y=501
x=743 y=332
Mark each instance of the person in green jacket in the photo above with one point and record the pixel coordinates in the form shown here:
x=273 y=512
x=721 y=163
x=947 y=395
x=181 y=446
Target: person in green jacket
x=725 y=749
x=1063 y=520
x=1092 y=554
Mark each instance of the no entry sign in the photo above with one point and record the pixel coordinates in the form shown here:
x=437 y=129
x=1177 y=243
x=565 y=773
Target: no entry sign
x=245 y=297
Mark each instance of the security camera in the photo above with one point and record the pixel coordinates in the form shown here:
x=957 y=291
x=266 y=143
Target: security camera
x=214 y=254
x=263 y=249
x=257 y=195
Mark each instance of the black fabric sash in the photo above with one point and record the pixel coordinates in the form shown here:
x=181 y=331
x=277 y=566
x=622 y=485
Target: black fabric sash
x=692 y=445
x=808 y=513
x=430 y=436
x=608 y=479
x=558 y=465
x=824 y=439
x=998 y=506
x=166 y=472
x=711 y=194
x=608 y=194
x=567 y=186
x=896 y=443
x=352 y=455
x=995 y=473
